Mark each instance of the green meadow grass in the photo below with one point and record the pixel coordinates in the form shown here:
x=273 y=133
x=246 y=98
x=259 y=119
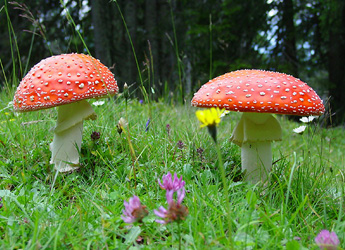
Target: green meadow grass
x=81 y=210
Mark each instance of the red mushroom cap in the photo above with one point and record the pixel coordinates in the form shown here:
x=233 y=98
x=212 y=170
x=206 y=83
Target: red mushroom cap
x=259 y=91
x=63 y=79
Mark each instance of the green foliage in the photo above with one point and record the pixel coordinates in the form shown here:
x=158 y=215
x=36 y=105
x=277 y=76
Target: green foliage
x=83 y=209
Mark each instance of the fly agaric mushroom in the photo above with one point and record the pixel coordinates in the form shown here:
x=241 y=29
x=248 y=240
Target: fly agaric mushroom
x=66 y=81
x=258 y=94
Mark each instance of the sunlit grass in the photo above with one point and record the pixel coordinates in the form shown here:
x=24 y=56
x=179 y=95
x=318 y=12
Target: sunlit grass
x=83 y=209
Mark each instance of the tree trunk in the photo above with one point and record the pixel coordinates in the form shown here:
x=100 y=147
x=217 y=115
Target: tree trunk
x=166 y=55
x=151 y=28
x=336 y=62
x=101 y=25
x=285 y=50
x=289 y=41
x=131 y=71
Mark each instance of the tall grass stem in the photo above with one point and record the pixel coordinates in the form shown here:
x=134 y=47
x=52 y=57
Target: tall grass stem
x=226 y=192
x=142 y=87
x=211 y=54
x=177 y=54
x=131 y=42
x=70 y=19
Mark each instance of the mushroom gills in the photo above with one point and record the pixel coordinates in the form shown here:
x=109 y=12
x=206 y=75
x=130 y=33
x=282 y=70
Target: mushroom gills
x=254 y=134
x=68 y=135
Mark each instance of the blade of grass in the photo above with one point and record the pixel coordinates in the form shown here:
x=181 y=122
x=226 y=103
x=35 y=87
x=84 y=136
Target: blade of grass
x=11 y=34
x=142 y=87
x=178 y=60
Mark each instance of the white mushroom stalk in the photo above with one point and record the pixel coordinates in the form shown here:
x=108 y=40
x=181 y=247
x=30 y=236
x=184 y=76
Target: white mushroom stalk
x=68 y=135
x=254 y=134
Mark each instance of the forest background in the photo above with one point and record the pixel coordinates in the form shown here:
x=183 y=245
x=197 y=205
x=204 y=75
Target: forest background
x=173 y=47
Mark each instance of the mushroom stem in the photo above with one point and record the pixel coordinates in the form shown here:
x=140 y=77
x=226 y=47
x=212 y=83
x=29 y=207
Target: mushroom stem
x=68 y=135
x=254 y=134
x=256 y=160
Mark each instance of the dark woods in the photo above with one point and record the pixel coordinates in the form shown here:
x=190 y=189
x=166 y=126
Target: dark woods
x=175 y=46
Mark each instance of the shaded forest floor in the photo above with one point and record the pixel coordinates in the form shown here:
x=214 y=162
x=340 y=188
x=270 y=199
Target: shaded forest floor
x=82 y=210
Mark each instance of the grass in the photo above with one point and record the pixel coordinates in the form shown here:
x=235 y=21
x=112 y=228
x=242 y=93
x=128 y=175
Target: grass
x=81 y=210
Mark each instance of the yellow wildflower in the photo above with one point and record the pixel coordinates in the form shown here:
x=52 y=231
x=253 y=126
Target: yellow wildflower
x=209 y=117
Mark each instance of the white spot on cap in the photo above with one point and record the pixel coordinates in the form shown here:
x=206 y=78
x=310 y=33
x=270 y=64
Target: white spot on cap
x=262 y=93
